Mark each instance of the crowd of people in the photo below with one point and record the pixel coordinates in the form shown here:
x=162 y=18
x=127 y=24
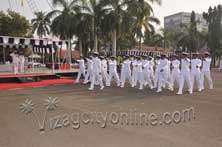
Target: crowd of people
x=145 y=71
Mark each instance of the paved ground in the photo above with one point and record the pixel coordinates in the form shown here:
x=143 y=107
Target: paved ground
x=20 y=130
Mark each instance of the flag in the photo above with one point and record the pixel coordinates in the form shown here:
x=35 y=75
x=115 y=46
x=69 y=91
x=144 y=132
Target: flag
x=22 y=3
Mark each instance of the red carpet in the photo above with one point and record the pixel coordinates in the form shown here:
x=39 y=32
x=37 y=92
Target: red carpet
x=33 y=84
x=22 y=75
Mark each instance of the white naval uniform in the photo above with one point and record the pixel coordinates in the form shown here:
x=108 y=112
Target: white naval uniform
x=81 y=69
x=21 y=63
x=175 y=73
x=126 y=72
x=15 y=62
x=152 y=75
x=167 y=80
x=104 y=72
x=168 y=70
x=113 y=72
x=97 y=75
x=162 y=74
x=195 y=73
x=205 y=72
x=134 y=79
x=139 y=74
x=147 y=71
x=156 y=75
x=185 y=76
x=89 y=71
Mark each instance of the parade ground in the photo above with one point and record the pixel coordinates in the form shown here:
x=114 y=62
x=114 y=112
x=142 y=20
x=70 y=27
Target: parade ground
x=203 y=129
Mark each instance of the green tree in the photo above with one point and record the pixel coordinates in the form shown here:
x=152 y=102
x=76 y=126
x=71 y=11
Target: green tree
x=142 y=12
x=13 y=24
x=214 y=19
x=64 y=20
x=41 y=24
x=94 y=10
x=190 y=37
x=115 y=19
x=193 y=32
x=163 y=39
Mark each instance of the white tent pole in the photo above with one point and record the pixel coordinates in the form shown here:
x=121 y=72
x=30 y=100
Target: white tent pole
x=3 y=54
x=43 y=56
x=59 y=51
x=32 y=60
x=53 y=66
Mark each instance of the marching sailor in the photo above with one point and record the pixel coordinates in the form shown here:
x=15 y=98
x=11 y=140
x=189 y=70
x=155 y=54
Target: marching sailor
x=97 y=75
x=151 y=65
x=205 y=72
x=126 y=71
x=89 y=71
x=175 y=73
x=162 y=73
x=113 y=71
x=196 y=63
x=139 y=73
x=104 y=72
x=134 y=65
x=81 y=68
x=185 y=74
x=157 y=66
x=147 y=65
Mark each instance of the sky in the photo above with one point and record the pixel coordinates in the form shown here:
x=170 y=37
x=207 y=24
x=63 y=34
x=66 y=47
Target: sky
x=167 y=7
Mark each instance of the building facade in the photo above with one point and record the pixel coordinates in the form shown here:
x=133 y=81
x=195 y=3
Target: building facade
x=173 y=22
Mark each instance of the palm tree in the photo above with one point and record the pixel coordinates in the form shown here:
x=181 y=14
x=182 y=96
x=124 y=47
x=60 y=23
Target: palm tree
x=190 y=37
x=64 y=20
x=83 y=31
x=41 y=24
x=115 y=16
x=142 y=12
x=167 y=38
x=94 y=13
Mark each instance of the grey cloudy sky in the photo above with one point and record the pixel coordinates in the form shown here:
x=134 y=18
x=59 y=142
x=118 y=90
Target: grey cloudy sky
x=168 y=7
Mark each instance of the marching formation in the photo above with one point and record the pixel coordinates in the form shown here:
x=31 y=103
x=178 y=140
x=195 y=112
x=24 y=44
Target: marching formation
x=158 y=73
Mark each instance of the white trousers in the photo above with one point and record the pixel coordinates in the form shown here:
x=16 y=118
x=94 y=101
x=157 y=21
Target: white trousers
x=195 y=76
x=156 y=77
x=81 y=72
x=15 y=68
x=96 y=76
x=124 y=76
x=105 y=76
x=174 y=77
x=139 y=76
x=88 y=76
x=21 y=67
x=162 y=80
x=184 y=77
x=134 y=79
x=207 y=75
x=152 y=75
x=147 y=78
x=116 y=77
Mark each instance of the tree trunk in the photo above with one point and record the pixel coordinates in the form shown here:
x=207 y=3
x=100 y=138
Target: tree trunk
x=95 y=42
x=80 y=47
x=164 y=44
x=140 y=44
x=114 y=43
x=69 y=52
